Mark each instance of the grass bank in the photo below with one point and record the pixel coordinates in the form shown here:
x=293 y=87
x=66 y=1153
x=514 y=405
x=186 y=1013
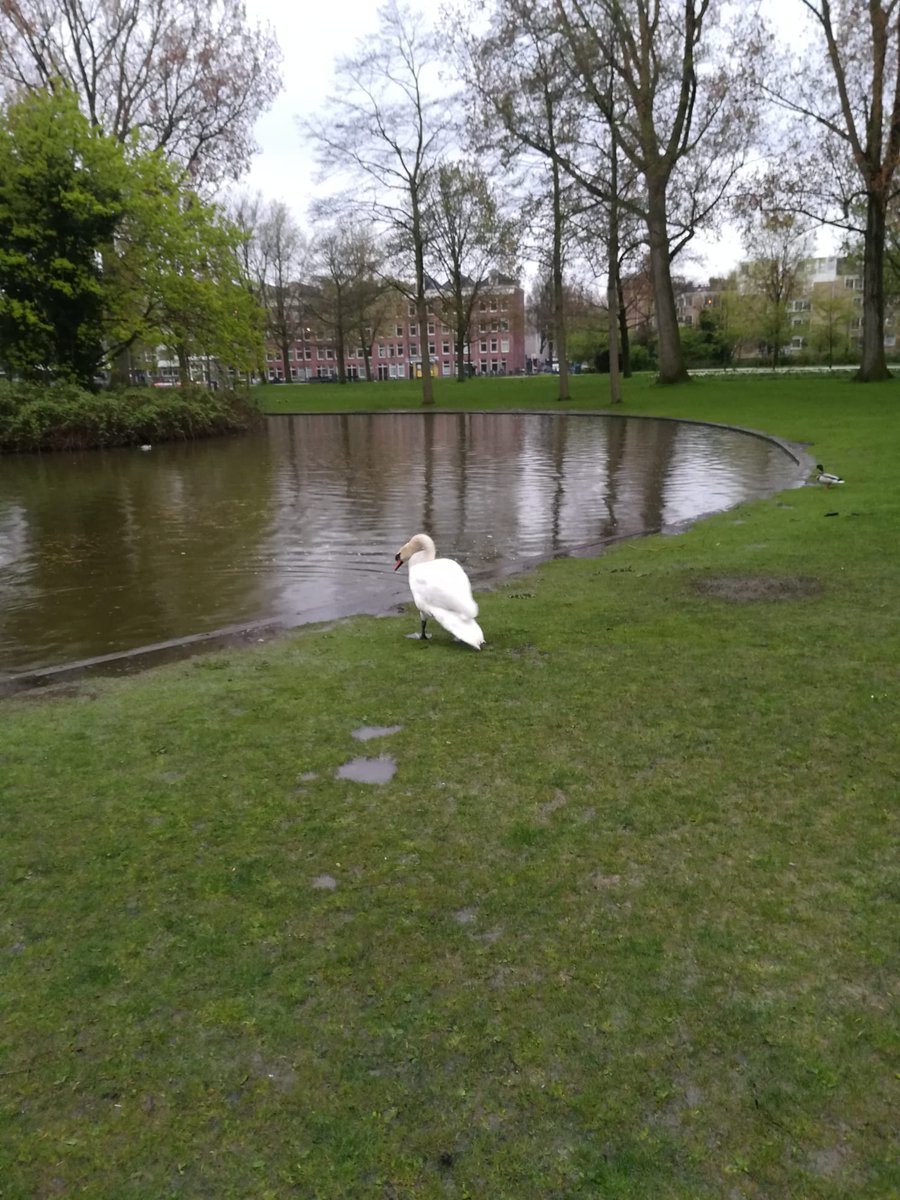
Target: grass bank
x=623 y=924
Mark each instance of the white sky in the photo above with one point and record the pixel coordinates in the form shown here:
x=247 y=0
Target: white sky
x=313 y=35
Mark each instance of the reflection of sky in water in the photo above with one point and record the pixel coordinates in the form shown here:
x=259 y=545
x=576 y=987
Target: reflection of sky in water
x=109 y=551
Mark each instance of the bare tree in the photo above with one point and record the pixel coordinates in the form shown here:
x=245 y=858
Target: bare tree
x=519 y=74
x=470 y=242
x=645 y=68
x=346 y=263
x=388 y=123
x=856 y=108
x=281 y=261
x=189 y=77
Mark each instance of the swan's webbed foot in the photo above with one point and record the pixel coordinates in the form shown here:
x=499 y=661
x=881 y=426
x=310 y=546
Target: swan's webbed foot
x=418 y=637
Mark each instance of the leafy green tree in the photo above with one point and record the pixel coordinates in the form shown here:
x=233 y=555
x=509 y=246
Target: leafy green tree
x=62 y=187
x=102 y=249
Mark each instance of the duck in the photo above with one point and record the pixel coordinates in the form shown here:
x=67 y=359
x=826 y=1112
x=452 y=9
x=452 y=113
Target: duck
x=441 y=589
x=826 y=477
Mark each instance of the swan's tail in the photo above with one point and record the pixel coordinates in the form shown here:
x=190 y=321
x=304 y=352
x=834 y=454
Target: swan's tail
x=466 y=629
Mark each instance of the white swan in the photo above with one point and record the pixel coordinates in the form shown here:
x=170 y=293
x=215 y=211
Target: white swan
x=440 y=589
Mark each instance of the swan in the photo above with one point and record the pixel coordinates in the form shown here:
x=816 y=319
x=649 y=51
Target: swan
x=440 y=589
x=826 y=477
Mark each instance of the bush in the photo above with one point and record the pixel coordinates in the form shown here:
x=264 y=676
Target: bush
x=65 y=417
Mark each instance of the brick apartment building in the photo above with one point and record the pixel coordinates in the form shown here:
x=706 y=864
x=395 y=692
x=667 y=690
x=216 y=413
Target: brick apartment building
x=495 y=344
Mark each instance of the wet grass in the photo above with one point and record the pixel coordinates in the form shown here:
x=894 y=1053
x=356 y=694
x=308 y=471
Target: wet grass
x=623 y=924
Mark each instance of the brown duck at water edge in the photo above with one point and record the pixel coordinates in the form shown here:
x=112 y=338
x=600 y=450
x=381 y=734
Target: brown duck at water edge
x=440 y=589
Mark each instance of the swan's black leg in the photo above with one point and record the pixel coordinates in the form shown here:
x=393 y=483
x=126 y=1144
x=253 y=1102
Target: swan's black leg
x=424 y=636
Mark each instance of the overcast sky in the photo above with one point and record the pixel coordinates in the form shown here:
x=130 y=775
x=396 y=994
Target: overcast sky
x=313 y=36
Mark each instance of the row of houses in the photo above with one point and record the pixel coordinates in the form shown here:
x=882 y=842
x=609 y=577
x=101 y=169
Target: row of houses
x=499 y=342
x=494 y=344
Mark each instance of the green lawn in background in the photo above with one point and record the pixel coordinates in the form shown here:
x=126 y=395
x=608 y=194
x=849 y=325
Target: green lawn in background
x=623 y=925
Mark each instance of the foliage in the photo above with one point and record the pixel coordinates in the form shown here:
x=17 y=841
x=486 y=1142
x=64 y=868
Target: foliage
x=65 y=417
x=102 y=247
x=174 y=273
x=623 y=924
x=62 y=187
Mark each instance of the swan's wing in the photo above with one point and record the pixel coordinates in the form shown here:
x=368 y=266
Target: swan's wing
x=442 y=584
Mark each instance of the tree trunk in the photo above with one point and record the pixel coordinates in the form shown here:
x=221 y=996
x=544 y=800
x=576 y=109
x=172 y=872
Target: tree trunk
x=624 y=336
x=421 y=304
x=615 y=381
x=461 y=331
x=340 y=348
x=559 y=309
x=873 y=367
x=184 y=367
x=668 y=341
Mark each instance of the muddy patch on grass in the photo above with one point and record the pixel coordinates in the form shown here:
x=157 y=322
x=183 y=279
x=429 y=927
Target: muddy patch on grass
x=365 y=733
x=744 y=589
x=368 y=770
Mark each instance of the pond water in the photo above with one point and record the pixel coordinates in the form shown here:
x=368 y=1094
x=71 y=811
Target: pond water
x=107 y=551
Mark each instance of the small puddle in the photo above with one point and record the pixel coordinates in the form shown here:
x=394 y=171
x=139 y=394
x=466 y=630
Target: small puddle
x=365 y=733
x=368 y=770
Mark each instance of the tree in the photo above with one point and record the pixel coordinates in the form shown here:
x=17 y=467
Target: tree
x=61 y=199
x=775 y=274
x=345 y=262
x=856 y=108
x=470 y=241
x=282 y=256
x=188 y=77
x=831 y=318
x=682 y=117
x=519 y=73
x=387 y=122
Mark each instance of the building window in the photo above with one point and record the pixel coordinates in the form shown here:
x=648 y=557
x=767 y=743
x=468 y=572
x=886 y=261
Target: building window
x=398 y=330
x=445 y=347
x=483 y=347
x=483 y=366
x=382 y=351
x=504 y=345
x=411 y=310
x=413 y=349
x=432 y=349
x=431 y=327
x=445 y=367
x=413 y=330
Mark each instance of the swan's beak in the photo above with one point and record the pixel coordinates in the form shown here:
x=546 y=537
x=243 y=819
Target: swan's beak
x=399 y=561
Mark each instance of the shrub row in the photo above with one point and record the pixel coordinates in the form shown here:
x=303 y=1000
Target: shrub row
x=62 y=416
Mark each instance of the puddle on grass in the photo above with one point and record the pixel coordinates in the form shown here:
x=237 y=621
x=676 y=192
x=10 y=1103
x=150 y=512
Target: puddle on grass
x=365 y=733
x=368 y=770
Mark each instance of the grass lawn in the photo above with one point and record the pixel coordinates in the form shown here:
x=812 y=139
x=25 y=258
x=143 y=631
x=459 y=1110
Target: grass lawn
x=623 y=925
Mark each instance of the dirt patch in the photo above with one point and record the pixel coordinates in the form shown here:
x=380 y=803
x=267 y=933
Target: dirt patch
x=742 y=589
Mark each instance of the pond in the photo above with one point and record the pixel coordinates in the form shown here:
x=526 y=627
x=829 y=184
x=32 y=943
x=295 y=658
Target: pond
x=108 y=551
